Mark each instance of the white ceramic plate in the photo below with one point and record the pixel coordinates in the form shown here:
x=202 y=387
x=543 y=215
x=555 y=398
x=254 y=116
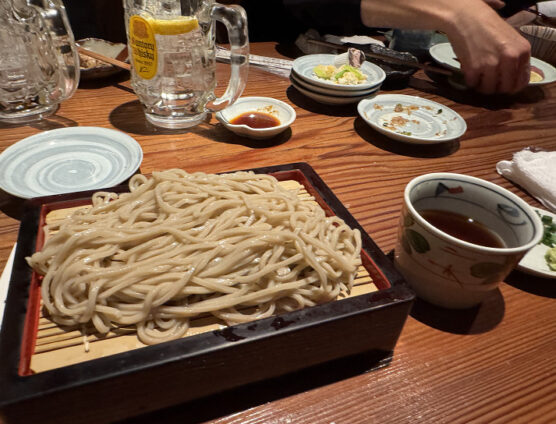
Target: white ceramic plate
x=548 y=70
x=329 y=91
x=534 y=262
x=106 y=48
x=277 y=108
x=444 y=55
x=332 y=100
x=68 y=160
x=304 y=65
x=421 y=121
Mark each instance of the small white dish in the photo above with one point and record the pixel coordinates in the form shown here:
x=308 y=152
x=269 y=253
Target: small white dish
x=443 y=54
x=331 y=100
x=330 y=92
x=92 y=68
x=68 y=160
x=267 y=105
x=534 y=261
x=419 y=121
x=548 y=70
x=303 y=68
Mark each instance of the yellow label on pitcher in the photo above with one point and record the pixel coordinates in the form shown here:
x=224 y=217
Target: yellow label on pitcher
x=143 y=47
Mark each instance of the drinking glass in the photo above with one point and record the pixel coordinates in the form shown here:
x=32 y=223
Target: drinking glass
x=172 y=48
x=39 y=67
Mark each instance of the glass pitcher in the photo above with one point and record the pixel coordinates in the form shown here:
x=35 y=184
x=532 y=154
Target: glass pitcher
x=39 y=65
x=172 y=48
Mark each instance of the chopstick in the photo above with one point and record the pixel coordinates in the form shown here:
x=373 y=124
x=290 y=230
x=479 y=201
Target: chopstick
x=534 y=12
x=392 y=60
x=103 y=58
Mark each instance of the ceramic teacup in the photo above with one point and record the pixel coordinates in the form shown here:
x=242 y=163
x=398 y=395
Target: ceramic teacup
x=445 y=269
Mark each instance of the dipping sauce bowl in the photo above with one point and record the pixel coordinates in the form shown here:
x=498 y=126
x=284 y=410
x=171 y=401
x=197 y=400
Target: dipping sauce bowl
x=257 y=117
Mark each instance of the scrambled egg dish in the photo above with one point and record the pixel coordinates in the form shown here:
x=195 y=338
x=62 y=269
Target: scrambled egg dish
x=345 y=74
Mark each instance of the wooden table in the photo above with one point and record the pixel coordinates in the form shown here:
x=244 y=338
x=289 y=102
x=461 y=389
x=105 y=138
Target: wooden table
x=493 y=364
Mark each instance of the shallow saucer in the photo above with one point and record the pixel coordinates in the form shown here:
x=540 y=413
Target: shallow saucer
x=92 y=68
x=412 y=119
x=68 y=160
x=329 y=99
x=443 y=54
x=534 y=262
x=329 y=91
x=277 y=108
x=303 y=68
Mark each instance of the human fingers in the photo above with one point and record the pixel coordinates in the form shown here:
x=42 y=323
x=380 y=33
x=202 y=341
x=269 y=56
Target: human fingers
x=472 y=75
x=514 y=68
x=500 y=66
x=509 y=75
x=490 y=77
x=495 y=4
x=524 y=69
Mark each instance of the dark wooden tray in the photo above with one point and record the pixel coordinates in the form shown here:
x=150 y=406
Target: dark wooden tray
x=365 y=327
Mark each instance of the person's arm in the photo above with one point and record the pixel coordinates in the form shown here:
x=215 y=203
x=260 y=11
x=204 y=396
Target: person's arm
x=494 y=57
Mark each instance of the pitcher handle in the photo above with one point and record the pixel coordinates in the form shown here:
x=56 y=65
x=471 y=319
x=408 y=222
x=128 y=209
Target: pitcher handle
x=234 y=19
x=54 y=16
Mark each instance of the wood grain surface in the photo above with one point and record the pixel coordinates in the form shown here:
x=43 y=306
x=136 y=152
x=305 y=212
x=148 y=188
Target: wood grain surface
x=492 y=364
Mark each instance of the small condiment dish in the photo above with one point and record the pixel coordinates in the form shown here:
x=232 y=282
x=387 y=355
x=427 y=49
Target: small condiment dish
x=93 y=68
x=278 y=109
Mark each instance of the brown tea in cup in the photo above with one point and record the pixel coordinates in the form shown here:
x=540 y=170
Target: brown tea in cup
x=462 y=227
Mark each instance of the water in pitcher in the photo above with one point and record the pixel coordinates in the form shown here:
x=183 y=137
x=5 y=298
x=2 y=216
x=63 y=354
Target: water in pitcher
x=174 y=62
x=39 y=64
x=27 y=73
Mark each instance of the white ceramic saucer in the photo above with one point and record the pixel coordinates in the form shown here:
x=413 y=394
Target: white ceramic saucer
x=443 y=54
x=303 y=68
x=332 y=100
x=534 y=262
x=329 y=91
x=68 y=160
x=105 y=48
x=420 y=121
x=277 y=108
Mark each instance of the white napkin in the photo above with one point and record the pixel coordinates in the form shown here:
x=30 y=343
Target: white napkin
x=535 y=172
x=547 y=8
x=5 y=281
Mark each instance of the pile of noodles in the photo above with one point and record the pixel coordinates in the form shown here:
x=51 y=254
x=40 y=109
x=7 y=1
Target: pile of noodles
x=237 y=246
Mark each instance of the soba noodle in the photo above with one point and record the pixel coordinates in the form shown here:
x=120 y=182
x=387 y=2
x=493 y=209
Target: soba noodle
x=178 y=245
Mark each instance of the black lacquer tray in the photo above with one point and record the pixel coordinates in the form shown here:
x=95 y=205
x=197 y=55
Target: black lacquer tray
x=365 y=326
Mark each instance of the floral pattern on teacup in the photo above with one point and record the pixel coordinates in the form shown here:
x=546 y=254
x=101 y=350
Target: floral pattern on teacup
x=414 y=241
x=441 y=188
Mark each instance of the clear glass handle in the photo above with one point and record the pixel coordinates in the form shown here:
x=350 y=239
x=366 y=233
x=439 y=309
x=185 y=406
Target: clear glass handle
x=234 y=19
x=56 y=21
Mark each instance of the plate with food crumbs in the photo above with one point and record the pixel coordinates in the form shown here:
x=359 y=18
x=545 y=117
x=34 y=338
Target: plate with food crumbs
x=412 y=119
x=92 y=68
x=319 y=69
x=541 y=72
x=541 y=259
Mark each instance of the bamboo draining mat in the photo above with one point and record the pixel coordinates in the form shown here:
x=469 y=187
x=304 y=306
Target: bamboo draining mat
x=58 y=347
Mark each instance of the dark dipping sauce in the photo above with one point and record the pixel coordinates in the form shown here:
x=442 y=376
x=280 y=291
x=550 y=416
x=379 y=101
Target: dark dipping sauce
x=256 y=120
x=462 y=227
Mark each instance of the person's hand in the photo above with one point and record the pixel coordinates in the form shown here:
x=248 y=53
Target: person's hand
x=494 y=57
x=495 y=4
